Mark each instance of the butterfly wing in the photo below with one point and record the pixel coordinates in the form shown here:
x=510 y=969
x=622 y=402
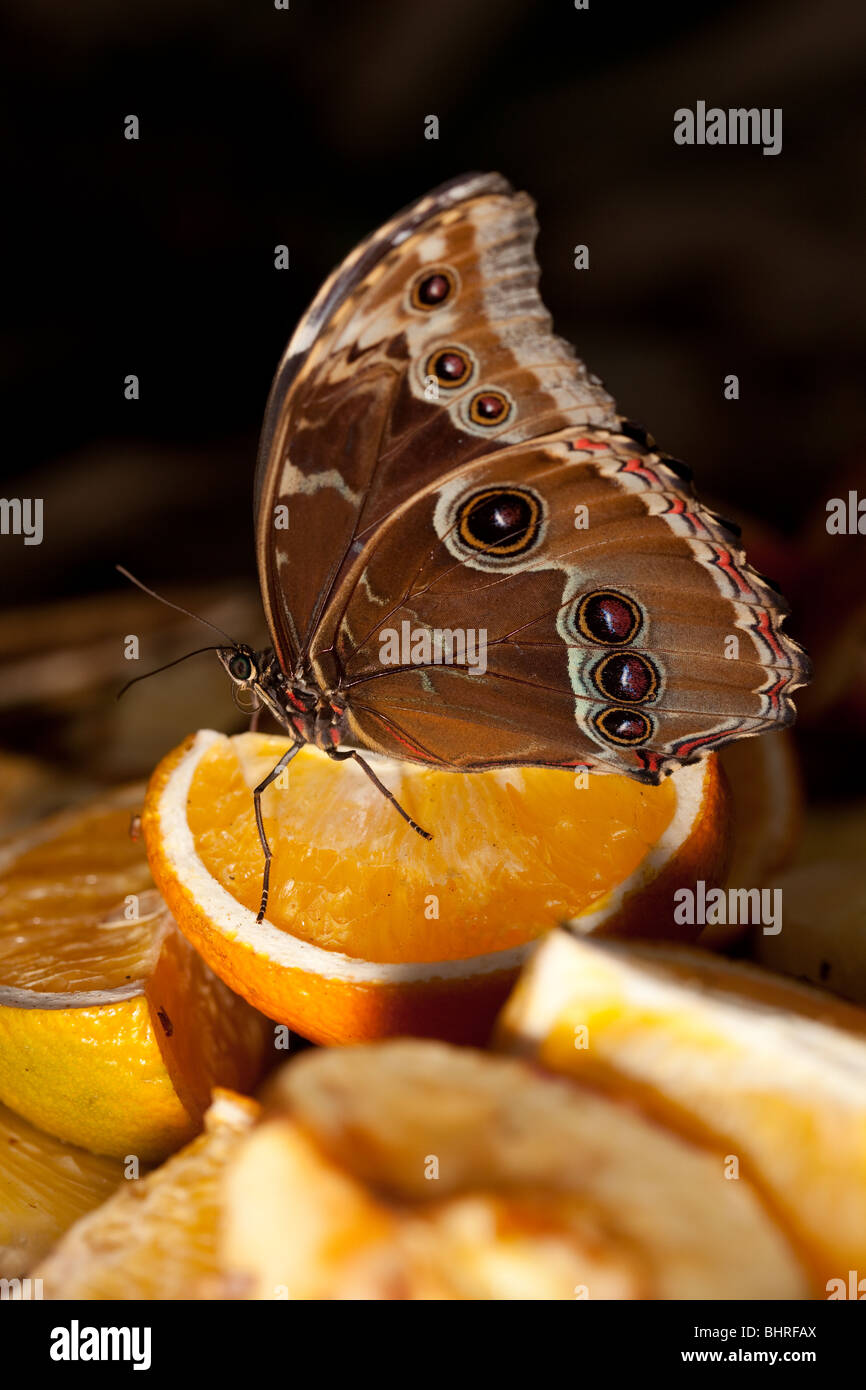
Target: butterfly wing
x=447 y=466
x=378 y=392
x=616 y=624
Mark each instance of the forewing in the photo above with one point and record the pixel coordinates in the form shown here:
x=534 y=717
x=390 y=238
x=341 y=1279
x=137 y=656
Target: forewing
x=360 y=416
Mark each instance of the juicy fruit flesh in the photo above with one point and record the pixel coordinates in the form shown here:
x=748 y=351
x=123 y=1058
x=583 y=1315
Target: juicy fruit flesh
x=523 y=1160
x=45 y=1185
x=112 y=1029
x=62 y=907
x=156 y=1237
x=766 y=1068
x=513 y=851
x=343 y=1241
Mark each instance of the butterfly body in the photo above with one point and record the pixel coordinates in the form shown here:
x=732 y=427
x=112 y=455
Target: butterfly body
x=305 y=711
x=438 y=469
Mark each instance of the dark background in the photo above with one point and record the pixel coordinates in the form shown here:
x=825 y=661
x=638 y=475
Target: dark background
x=306 y=127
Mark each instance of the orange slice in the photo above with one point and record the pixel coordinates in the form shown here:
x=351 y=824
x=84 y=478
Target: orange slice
x=770 y=1073
x=155 y=1238
x=112 y=1029
x=415 y=1170
x=372 y=930
x=766 y=817
x=45 y=1185
x=824 y=896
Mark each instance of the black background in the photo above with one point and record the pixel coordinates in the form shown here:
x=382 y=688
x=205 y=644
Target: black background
x=306 y=127
x=614 y=1336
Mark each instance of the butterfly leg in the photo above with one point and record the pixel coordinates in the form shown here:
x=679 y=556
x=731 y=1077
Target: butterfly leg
x=260 y=825
x=340 y=757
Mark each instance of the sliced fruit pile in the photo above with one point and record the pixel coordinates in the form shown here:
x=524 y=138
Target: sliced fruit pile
x=676 y=1126
x=770 y=1072
x=417 y=1170
x=371 y=930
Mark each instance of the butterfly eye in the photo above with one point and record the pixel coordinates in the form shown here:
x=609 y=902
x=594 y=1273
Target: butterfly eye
x=451 y=367
x=608 y=617
x=240 y=667
x=500 y=521
x=624 y=726
x=433 y=289
x=489 y=408
x=626 y=676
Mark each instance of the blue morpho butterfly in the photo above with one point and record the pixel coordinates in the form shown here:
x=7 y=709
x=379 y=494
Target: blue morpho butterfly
x=435 y=463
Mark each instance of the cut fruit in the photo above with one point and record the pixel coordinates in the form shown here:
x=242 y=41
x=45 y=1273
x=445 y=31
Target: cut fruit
x=770 y=1073
x=416 y=1170
x=372 y=930
x=824 y=896
x=112 y=1029
x=45 y=1185
x=766 y=817
x=156 y=1237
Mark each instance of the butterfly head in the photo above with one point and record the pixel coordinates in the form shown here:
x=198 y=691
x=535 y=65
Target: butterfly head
x=304 y=711
x=254 y=675
x=242 y=664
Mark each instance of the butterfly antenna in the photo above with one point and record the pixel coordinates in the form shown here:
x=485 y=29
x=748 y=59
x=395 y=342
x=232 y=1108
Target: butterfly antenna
x=178 y=609
x=156 y=670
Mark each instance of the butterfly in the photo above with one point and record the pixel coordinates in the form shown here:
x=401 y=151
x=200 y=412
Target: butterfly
x=437 y=467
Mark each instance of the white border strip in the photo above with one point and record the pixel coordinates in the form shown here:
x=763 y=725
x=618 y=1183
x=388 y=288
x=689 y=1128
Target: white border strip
x=11 y=997
x=14 y=998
